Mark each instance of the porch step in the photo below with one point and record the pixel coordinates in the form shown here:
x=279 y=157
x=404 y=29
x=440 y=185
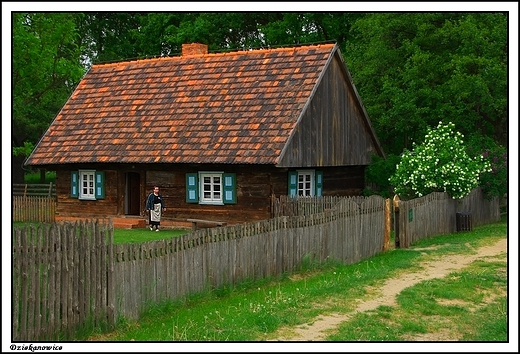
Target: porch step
x=128 y=223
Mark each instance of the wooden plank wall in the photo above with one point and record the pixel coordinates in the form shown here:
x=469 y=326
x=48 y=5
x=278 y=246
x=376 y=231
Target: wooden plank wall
x=256 y=184
x=333 y=129
x=60 y=280
x=435 y=214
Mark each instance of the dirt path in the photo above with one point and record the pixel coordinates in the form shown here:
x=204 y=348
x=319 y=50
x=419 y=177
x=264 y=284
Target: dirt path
x=389 y=291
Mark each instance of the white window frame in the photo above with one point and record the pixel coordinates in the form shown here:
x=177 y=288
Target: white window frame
x=213 y=198
x=87 y=192
x=301 y=189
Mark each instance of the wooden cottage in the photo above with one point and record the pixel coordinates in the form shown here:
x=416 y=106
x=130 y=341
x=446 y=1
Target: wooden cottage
x=218 y=133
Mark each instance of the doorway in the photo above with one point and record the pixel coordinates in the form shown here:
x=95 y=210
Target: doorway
x=132 y=193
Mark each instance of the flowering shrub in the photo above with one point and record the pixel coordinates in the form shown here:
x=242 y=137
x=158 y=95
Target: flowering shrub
x=440 y=164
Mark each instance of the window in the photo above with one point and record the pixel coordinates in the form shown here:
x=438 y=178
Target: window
x=87 y=184
x=305 y=183
x=211 y=188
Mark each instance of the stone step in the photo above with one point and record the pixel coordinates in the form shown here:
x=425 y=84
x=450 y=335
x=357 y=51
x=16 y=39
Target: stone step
x=120 y=223
x=128 y=223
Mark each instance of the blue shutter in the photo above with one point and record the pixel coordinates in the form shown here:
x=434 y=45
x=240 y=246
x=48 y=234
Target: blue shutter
x=293 y=184
x=99 y=185
x=230 y=188
x=319 y=183
x=74 y=184
x=192 y=195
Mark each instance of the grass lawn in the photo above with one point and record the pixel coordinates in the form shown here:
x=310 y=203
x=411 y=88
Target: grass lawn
x=144 y=235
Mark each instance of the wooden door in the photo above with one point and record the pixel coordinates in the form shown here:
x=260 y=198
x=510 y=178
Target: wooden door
x=133 y=195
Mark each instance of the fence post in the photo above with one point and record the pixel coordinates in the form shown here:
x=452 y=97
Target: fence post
x=396 y=220
x=386 y=242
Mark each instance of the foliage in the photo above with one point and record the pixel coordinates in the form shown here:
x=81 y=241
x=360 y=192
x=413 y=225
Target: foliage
x=494 y=181
x=378 y=172
x=412 y=68
x=440 y=164
x=45 y=70
x=24 y=150
x=35 y=177
x=107 y=36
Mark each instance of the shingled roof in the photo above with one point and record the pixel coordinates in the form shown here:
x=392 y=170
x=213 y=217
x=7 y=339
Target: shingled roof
x=232 y=108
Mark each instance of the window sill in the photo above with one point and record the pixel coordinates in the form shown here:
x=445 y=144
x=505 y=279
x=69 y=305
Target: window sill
x=210 y=203
x=87 y=198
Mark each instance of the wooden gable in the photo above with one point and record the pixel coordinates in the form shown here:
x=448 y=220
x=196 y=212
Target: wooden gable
x=334 y=128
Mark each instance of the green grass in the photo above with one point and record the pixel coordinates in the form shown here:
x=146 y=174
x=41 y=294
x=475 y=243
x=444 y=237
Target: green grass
x=259 y=310
x=469 y=305
x=144 y=235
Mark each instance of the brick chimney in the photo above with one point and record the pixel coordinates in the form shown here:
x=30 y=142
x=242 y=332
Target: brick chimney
x=194 y=49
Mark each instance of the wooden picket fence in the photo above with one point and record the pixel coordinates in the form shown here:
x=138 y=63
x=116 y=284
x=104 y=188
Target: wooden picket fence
x=436 y=213
x=209 y=258
x=61 y=280
x=69 y=276
x=285 y=205
x=34 y=208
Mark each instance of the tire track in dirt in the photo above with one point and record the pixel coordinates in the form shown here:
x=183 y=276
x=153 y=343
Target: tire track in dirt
x=391 y=288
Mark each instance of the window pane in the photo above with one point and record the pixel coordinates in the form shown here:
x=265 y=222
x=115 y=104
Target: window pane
x=211 y=187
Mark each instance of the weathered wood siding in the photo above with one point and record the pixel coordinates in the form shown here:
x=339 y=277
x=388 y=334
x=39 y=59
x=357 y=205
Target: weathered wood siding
x=256 y=184
x=68 y=206
x=435 y=214
x=332 y=130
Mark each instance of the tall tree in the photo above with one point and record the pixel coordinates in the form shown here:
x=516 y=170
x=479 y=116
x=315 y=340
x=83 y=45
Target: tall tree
x=414 y=69
x=45 y=70
x=108 y=36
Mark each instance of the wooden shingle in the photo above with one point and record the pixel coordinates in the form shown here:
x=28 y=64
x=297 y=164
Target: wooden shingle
x=231 y=108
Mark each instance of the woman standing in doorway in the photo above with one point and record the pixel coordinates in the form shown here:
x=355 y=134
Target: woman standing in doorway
x=155 y=208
